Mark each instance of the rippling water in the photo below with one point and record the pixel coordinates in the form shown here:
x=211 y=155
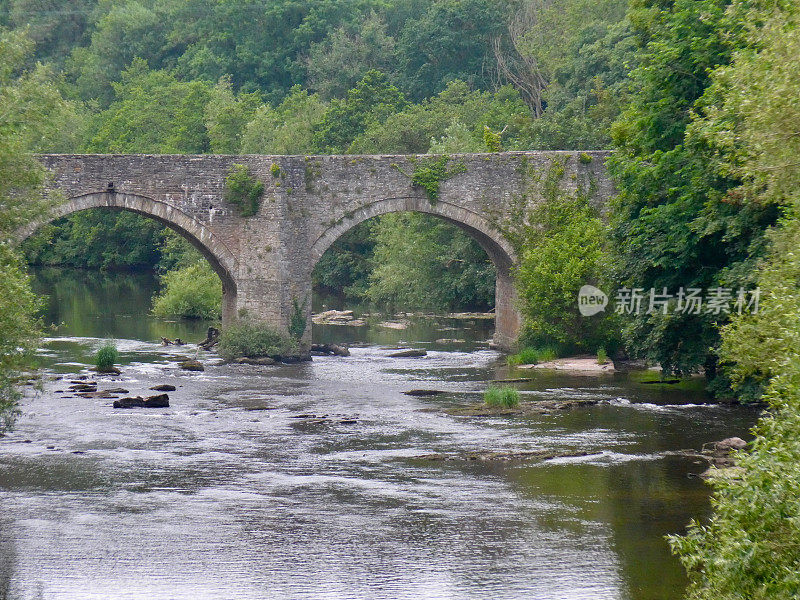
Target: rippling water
x=228 y=494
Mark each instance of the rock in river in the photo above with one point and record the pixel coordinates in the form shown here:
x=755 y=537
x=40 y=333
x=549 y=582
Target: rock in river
x=158 y=401
x=163 y=388
x=191 y=365
x=264 y=360
x=408 y=354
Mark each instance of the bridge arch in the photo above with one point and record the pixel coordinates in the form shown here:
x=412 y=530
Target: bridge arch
x=196 y=233
x=499 y=250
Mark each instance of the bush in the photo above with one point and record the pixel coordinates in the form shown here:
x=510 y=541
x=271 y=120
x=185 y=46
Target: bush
x=243 y=190
x=533 y=356
x=193 y=292
x=19 y=331
x=501 y=397
x=602 y=356
x=252 y=339
x=106 y=357
x=562 y=245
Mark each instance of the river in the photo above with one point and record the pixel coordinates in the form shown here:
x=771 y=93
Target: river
x=233 y=493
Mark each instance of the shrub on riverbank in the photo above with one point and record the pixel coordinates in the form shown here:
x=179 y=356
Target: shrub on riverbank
x=193 y=292
x=501 y=397
x=533 y=356
x=106 y=358
x=253 y=339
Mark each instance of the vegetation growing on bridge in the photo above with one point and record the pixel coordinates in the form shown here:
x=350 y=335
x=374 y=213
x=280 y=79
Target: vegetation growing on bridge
x=243 y=190
x=429 y=173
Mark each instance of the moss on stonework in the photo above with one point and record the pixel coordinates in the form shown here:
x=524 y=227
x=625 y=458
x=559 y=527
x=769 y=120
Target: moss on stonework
x=430 y=173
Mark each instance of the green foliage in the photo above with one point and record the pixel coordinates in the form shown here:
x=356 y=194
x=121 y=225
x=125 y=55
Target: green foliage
x=286 y=129
x=602 y=356
x=372 y=100
x=337 y=63
x=501 y=397
x=575 y=57
x=421 y=262
x=750 y=548
x=430 y=172
x=456 y=112
x=298 y=319
x=345 y=267
x=19 y=329
x=563 y=247
x=755 y=125
x=275 y=170
x=533 y=356
x=243 y=190
x=492 y=140
x=254 y=339
x=193 y=292
x=451 y=40
x=106 y=357
x=674 y=223
x=32 y=110
x=153 y=112
x=98 y=239
x=226 y=116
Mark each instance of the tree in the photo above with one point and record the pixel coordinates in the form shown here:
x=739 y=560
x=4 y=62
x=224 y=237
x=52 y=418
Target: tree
x=451 y=40
x=371 y=101
x=449 y=270
x=227 y=115
x=28 y=99
x=153 y=112
x=122 y=31
x=412 y=129
x=564 y=246
x=750 y=547
x=286 y=129
x=673 y=222
x=337 y=63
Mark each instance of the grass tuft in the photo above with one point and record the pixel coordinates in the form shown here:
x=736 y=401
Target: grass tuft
x=533 y=356
x=106 y=357
x=602 y=356
x=501 y=397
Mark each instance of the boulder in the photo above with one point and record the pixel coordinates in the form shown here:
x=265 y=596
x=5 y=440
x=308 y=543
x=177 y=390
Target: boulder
x=191 y=365
x=325 y=349
x=163 y=388
x=296 y=358
x=421 y=393
x=408 y=354
x=83 y=387
x=116 y=391
x=728 y=445
x=158 y=401
x=108 y=371
x=135 y=402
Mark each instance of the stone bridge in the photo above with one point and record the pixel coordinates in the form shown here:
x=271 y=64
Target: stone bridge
x=265 y=261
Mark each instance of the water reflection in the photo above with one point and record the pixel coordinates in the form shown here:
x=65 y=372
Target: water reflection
x=229 y=494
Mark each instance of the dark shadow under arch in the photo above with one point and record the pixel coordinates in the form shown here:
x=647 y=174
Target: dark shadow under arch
x=492 y=241
x=196 y=233
x=499 y=250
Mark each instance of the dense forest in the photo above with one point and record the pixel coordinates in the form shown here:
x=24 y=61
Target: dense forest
x=696 y=97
